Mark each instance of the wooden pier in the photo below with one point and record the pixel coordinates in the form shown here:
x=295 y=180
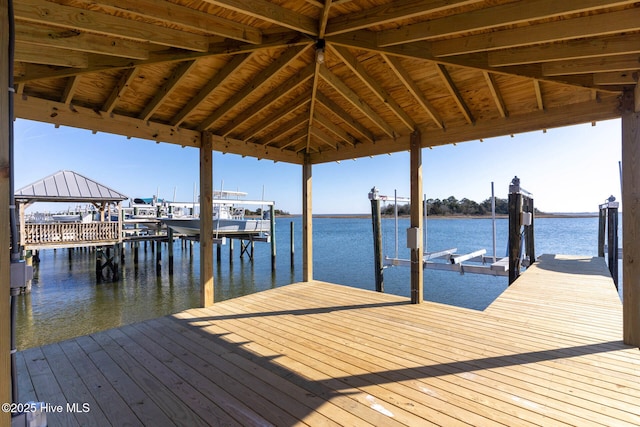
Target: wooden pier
x=547 y=352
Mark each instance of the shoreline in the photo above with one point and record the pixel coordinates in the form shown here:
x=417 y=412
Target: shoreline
x=498 y=216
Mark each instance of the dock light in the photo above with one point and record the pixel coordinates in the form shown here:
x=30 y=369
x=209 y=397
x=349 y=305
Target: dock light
x=320 y=51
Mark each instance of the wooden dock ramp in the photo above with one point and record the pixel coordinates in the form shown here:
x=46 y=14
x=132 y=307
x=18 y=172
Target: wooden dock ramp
x=548 y=352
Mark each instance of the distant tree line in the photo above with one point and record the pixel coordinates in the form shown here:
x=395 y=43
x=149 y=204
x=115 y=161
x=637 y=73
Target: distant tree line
x=258 y=212
x=453 y=206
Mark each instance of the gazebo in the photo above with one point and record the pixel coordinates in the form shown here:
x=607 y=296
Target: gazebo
x=311 y=81
x=70 y=187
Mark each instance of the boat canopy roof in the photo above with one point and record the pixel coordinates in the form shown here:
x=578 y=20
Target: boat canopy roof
x=68 y=186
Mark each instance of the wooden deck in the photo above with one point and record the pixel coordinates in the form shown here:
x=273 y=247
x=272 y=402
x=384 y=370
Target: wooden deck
x=547 y=352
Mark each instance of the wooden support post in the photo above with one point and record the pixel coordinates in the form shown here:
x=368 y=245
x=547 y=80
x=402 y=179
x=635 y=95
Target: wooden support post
x=231 y=250
x=515 y=224
x=417 y=253
x=377 y=239
x=115 y=267
x=206 y=220
x=631 y=215
x=29 y=261
x=136 y=247
x=272 y=218
x=291 y=244
x=307 y=223
x=218 y=252
x=5 y=194
x=98 y=266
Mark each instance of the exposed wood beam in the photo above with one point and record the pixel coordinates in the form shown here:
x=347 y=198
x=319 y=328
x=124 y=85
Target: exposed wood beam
x=44 y=12
x=323 y=137
x=497 y=16
x=74 y=41
x=413 y=89
x=33 y=54
x=324 y=18
x=307 y=222
x=567 y=50
x=177 y=76
x=272 y=13
x=258 y=81
x=348 y=120
x=455 y=93
x=355 y=100
x=539 y=98
x=101 y=63
x=269 y=120
x=592 y=65
x=280 y=131
x=614 y=78
x=118 y=90
x=388 y=13
x=188 y=18
x=295 y=138
x=478 y=61
x=495 y=94
x=70 y=90
x=60 y=114
x=266 y=101
x=376 y=88
x=585 y=112
x=243 y=148
x=627 y=20
x=333 y=128
x=214 y=82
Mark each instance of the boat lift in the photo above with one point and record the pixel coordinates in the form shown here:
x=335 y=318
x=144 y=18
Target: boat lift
x=476 y=262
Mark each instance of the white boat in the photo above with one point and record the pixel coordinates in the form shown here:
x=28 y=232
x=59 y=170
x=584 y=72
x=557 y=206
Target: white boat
x=228 y=217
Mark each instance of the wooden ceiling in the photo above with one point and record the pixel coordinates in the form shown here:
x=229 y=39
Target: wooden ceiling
x=317 y=81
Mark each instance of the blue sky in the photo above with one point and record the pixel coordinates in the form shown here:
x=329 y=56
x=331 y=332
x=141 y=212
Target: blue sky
x=570 y=169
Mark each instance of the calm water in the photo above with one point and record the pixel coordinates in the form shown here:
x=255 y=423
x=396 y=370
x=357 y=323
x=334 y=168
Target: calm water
x=66 y=301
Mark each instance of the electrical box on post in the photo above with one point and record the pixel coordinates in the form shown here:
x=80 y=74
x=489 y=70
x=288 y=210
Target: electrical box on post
x=413 y=238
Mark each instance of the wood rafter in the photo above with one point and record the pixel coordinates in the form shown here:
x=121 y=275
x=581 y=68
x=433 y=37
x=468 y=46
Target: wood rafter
x=265 y=102
x=44 y=12
x=568 y=50
x=389 y=13
x=70 y=90
x=116 y=93
x=188 y=18
x=280 y=131
x=73 y=41
x=333 y=128
x=273 y=118
x=539 y=99
x=356 y=67
x=265 y=76
x=455 y=93
x=270 y=12
x=497 y=16
x=33 y=54
x=353 y=124
x=495 y=94
x=178 y=75
x=415 y=91
x=213 y=83
x=355 y=100
x=627 y=20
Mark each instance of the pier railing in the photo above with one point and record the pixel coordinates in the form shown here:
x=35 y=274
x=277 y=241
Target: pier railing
x=69 y=233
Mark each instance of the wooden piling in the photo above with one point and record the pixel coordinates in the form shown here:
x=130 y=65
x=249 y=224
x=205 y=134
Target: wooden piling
x=417 y=252
x=170 y=249
x=377 y=240
x=158 y=258
x=602 y=226
x=272 y=217
x=291 y=244
x=515 y=223
x=612 y=241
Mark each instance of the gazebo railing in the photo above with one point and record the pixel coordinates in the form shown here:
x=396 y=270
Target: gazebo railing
x=56 y=233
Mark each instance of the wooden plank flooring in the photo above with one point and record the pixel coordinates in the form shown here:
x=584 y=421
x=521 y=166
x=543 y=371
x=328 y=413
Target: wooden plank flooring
x=546 y=352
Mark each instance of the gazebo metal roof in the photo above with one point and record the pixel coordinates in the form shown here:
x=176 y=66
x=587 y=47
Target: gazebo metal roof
x=68 y=186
